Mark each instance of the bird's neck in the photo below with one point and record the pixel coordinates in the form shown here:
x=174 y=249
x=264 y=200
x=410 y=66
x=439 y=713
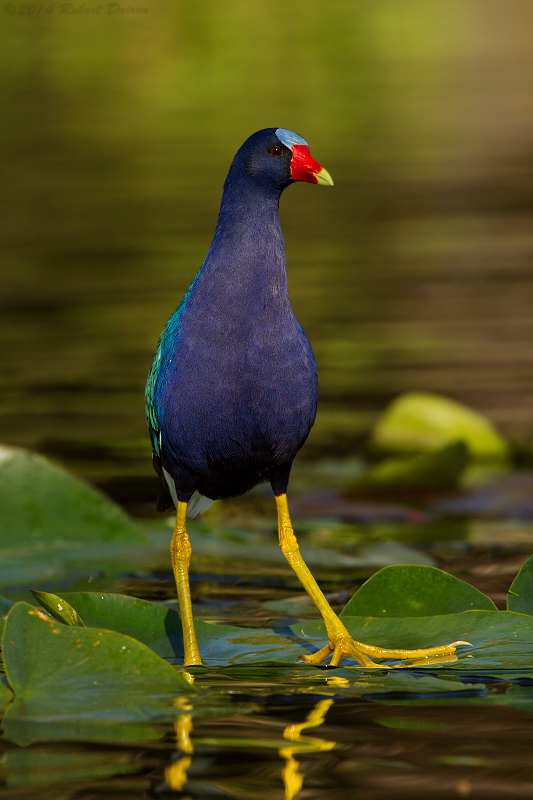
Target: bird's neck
x=248 y=247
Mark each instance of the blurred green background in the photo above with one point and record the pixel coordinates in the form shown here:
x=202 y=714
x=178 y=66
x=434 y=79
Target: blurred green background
x=412 y=273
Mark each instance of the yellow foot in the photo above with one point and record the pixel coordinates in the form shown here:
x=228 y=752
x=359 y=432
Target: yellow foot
x=342 y=644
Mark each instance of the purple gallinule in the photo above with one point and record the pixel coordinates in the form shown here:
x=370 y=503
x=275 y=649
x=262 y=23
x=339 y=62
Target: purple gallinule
x=232 y=393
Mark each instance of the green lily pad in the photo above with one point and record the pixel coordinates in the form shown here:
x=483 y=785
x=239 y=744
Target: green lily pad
x=5 y=694
x=414 y=591
x=520 y=597
x=422 y=422
x=5 y=605
x=58 y=608
x=440 y=469
x=159 y=628
x=40 y=502
x=97 y=677
x=501 y=640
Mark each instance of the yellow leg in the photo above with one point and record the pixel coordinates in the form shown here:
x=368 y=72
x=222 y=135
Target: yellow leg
x=340 y=642
x=180 y=553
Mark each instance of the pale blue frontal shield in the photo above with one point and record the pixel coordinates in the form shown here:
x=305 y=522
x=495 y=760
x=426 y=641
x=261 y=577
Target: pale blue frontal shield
x=288 y=138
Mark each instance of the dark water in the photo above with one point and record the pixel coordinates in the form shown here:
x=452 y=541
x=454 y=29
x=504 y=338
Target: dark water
x=414 y=272
x=362 y=749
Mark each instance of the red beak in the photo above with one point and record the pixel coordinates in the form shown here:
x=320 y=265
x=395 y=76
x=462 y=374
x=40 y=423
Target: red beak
x=305 y=168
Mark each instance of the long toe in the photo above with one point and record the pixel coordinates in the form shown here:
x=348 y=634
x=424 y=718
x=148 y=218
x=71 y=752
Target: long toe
x=342 y=645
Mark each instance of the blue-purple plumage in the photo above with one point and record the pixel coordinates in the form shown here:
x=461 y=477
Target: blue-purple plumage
x=232 y=393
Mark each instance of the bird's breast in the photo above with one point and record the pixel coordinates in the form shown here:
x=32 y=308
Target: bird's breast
x=245 y=389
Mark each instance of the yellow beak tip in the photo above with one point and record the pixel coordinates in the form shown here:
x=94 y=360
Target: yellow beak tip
x=324 y=177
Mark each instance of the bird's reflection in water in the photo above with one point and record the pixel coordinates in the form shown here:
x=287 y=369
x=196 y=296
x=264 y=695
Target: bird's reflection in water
x=292 y=777
x=176 y=773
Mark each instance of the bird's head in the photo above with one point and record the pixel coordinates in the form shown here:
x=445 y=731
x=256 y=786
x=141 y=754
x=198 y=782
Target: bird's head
x=280 y=157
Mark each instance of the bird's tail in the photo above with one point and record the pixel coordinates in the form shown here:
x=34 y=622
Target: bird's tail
x=198 y=504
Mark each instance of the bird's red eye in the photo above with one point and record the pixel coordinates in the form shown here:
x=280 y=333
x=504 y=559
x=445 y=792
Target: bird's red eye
x=275 y=151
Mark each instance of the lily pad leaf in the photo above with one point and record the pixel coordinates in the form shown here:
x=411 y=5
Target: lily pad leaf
x=5 y=694
x=58 y=608
x=5 y=605
x=159 y=628
x=42 y=503
x=96 y=676
x=421 y=422
x=414 y=591
x=440 y=469
x=501 y=640
x=156 y=626
x=520 y=597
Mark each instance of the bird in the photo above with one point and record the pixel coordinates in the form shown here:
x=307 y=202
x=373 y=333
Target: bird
x=232 y=392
